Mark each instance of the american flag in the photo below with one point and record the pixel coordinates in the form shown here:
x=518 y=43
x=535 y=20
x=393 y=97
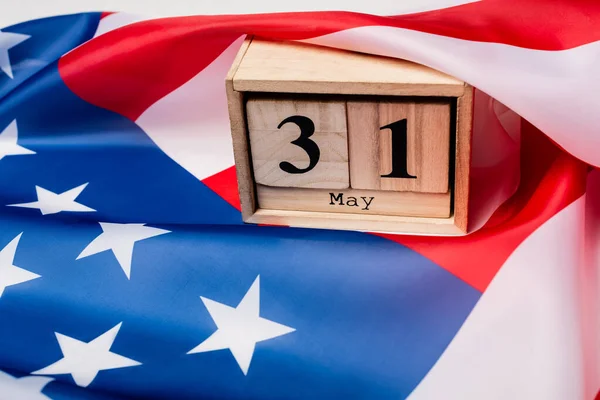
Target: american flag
x=126 y=270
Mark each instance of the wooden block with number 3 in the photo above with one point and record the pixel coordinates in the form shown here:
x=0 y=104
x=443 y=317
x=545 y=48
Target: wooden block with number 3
x=298 y=143
x=400 y=145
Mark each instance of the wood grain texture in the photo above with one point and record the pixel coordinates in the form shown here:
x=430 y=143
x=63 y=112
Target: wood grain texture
x=464 y=126
x=428 y=145
x=271 y=143
x=241 y=150
x=287 y=67
x=357 y=222
x=363 y=144
x=351 y=201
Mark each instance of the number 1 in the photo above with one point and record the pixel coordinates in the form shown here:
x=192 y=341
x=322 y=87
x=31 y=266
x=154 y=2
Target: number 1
x=399 y=150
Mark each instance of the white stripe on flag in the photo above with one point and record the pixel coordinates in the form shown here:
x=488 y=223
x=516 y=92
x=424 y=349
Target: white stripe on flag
x=590 y=279
x=557 y=91
x=523 y=338
x=191 y=124
x=380 y=7
x=25 y=10
x=115 y=21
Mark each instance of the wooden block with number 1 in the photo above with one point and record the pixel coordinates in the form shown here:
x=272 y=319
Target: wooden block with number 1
x=399 y=145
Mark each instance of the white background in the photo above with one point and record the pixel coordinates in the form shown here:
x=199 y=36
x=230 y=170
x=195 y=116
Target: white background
x=15 y=11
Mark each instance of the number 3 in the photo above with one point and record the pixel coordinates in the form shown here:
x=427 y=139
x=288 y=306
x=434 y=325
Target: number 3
x=307 y=128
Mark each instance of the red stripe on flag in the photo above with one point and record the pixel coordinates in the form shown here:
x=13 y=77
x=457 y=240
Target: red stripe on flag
x=129 y=69
x=130 y=75
x=550 y=181
x=534 y=24
x=106 y=14
x=225 y=185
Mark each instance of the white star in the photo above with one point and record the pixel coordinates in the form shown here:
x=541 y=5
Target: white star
x=84 y=360
x=9 y=40
x=26 y=387
x=240 y=328
x=8 y=142
x=51 y=203
x=120 y=238
x=10 y=274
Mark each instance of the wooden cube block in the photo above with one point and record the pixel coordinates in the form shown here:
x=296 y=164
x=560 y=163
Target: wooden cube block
x=365 y=110
x=401 y=145
x=298 y=143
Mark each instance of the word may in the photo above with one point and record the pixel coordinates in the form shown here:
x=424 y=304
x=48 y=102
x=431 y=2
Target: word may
x=351 y=201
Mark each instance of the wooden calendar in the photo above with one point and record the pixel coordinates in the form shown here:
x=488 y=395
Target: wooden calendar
x=332 y=139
